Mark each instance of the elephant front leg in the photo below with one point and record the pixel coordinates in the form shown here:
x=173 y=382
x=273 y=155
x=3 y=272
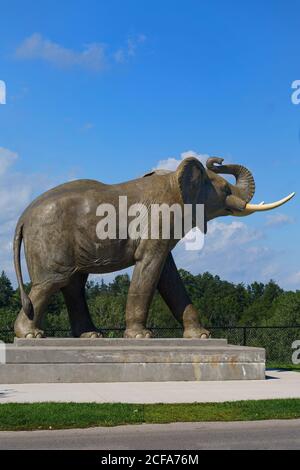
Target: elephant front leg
x=142 y=287
x=173 y=292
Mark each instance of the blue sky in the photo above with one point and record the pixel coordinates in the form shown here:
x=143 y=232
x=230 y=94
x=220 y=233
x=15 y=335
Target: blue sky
x=108 y=89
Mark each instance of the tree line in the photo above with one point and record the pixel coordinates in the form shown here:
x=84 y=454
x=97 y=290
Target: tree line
x=220 y=303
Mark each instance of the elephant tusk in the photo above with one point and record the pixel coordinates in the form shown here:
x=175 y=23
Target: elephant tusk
x=250 y=208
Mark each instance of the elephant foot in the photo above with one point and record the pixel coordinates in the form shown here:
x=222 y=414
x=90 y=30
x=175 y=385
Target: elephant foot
x=35 y=333
x=198 y=332
x=91 y=334
x=26 y=328
x=138 y=334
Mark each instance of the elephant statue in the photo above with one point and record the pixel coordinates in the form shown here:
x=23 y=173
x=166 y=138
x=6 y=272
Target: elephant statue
x=62 y=248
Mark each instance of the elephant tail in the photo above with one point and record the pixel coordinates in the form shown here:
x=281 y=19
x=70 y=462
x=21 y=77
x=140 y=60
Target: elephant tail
x=25 y=300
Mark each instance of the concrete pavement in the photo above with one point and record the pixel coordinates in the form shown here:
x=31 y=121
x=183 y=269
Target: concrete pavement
x=279 y=384
x=236 y=435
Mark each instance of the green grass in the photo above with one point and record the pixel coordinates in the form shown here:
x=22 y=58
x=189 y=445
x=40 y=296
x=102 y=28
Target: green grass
x=27 y=416
x=283 y=366
x=15 y=416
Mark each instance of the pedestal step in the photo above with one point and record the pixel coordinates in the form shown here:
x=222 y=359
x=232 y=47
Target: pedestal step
x=125 y=360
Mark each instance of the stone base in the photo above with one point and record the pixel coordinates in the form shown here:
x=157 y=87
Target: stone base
x=125 y=360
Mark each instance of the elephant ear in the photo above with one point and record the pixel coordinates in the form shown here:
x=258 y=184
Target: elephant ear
x=191 y=177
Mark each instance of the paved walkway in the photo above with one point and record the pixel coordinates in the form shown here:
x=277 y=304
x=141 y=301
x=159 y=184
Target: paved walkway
x=279 y=384
x=275 y=434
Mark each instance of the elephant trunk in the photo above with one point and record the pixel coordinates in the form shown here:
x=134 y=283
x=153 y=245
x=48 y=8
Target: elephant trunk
x=245 y=184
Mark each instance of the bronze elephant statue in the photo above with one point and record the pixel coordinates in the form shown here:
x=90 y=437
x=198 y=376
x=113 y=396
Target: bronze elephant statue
x=62 y=248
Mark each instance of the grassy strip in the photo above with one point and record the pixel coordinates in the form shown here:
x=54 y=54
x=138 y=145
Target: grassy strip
x=227 y=411
x=29 y=416
x=283 y=366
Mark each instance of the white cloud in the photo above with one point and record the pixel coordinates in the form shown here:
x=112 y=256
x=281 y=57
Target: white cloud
x=123 y=54
x=172 y=163
x=93 y=56
x=37 y=47
x=7 y=158
x=293 y=280
x=238 y=253
x=277 y=219
x=87 y=126
x=223 y=234
x=229 y=251
x=16 y=192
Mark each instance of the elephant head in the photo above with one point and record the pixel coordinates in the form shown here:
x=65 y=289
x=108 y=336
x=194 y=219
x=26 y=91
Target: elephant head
x=233 y=199
x=219 y=196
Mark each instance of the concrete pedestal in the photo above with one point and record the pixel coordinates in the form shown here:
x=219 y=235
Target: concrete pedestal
x=125 y=360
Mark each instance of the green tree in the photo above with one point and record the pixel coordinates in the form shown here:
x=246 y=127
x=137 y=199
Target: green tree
x=120 y=284
x=255 y=290
x=286 y=310
x=6 y=290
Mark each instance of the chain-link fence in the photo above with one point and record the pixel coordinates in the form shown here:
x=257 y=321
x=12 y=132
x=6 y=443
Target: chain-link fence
x=277 y=340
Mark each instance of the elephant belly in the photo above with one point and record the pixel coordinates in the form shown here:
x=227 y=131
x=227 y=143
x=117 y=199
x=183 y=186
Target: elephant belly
x=103 y=256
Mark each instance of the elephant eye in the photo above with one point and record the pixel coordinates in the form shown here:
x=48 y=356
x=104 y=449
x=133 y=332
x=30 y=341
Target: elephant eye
x=227 y=190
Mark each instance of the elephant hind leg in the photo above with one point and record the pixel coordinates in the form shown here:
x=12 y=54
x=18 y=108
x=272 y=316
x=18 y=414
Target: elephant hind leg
x=79 y=315
x=31 y=327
